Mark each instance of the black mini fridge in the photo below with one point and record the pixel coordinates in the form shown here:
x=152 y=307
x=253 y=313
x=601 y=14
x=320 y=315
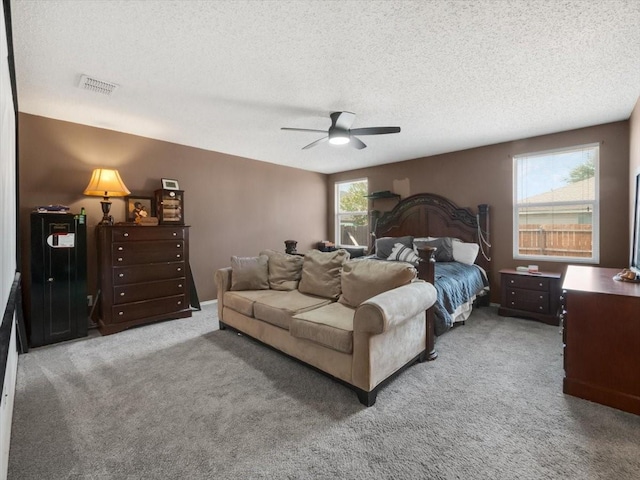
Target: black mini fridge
x=58 y=278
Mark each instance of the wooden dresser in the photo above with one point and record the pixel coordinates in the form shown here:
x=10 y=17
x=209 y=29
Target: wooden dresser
x=601 y=336
x=143 y=274
x=530 y=295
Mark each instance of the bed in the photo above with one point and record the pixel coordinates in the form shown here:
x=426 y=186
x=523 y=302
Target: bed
x=459 y=285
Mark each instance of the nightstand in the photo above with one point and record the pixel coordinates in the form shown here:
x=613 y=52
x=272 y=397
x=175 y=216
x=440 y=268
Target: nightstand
x=530 y=295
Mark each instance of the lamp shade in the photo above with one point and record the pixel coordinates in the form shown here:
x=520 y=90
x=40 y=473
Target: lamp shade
x=106 y=183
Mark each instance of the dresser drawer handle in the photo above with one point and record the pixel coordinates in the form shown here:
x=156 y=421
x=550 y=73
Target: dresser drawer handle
x=512 y=281
x=541 y=297
x=120 y=249
x=179 y=269
x=513 y=293
x=179 y=285
x=178 y=256
x=119 y=259
x=541 y=308
x=120 y=313
x=122 y=294
x=125 y=234
x=540 y=284
x=178 y=246
x=179 y=303
x=513 y=303
x=121 y=275
x=175 y=234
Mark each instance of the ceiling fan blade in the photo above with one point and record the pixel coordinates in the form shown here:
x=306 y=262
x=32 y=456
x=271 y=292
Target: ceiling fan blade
x=303 y=130
x=313 y=144
x=342 y=120
x=357 y=143
x=375 y=130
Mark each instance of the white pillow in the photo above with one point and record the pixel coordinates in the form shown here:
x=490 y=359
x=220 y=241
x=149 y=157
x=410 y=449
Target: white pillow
x=465 y=252
x=403 y=253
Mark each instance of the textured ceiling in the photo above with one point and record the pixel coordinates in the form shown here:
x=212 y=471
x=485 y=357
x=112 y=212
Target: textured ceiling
x=226 y=75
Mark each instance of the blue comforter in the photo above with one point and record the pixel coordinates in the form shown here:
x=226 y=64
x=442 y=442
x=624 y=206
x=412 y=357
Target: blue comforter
x=455 y=283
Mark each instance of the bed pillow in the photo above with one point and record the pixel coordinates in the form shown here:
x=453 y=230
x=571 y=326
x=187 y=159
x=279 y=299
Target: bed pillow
x=284 y=270
x=465 y=252
x=321 y=273
x=384 y=245
x=403 y=253
x=444 y=252
x=363 y=279
x=250 y=273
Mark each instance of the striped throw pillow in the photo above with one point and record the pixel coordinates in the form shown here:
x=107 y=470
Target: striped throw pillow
x=403 y=253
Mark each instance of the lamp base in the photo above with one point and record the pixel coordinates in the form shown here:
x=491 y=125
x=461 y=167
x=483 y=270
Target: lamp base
x=106 y=207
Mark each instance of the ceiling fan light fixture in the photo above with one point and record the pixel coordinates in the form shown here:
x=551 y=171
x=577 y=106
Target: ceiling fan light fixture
x=338 y=138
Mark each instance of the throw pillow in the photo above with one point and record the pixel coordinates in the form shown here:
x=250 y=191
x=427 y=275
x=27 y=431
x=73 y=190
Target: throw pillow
x=363 y=279
x=465 y=252
x=284 y=270
x=402 y=253
x=321 y=273
x=384 y=245
x=250 y=273
x=444 y=252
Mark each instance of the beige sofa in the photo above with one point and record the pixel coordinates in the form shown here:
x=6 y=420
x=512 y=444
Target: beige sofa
x=359 y=321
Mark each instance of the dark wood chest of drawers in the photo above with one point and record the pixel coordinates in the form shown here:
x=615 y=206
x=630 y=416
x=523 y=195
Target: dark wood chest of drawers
x=529 y=295
x=601 y=336
x=143 y=274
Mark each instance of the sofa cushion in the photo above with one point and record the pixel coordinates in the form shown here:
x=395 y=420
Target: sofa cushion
x=284 y=270
x=321 y=273
x=363 y=279
x=330 y=326
x=250 y=273
x=243 y=301
x=278 y=309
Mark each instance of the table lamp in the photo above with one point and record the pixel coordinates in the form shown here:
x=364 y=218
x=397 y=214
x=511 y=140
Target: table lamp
x=106 y=183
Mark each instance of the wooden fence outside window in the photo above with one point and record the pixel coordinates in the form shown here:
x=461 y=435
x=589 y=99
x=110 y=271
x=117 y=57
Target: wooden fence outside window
x=556 y=240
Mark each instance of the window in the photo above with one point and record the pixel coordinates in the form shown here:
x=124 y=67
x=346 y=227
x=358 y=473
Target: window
x=556 y=205
x=352 y=219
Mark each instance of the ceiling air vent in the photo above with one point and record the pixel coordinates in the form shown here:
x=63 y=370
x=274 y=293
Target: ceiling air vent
x=97 y=86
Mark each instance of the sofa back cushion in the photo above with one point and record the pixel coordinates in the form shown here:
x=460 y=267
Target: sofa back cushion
x=250 y=273
x=321 y=273
x=284 y=270
x=363 y=279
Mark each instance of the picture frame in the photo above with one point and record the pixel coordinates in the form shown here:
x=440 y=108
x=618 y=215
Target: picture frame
x=138 y=206
x=170 y=184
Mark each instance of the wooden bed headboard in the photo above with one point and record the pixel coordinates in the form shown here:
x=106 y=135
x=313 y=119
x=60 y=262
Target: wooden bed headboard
x=430 y=215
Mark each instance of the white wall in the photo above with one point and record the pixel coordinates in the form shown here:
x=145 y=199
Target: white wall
x=7 y=239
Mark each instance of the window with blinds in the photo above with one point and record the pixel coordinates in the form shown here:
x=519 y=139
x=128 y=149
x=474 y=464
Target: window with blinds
x=352 y=217
x=556 y=205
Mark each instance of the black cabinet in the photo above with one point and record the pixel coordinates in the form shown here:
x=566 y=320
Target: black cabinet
x=58 y=278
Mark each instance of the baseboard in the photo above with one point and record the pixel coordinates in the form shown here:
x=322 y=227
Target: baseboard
x=209 y=302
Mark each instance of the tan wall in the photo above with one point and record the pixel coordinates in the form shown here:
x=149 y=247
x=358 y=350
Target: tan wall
x=484 y=175
x=634 y=154
x=235 y=206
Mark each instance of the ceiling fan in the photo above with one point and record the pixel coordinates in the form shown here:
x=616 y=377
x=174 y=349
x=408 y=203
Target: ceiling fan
x=340 y=131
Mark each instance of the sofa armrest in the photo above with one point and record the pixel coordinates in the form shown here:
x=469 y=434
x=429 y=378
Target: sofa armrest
x=223 y=284
x=391 y=308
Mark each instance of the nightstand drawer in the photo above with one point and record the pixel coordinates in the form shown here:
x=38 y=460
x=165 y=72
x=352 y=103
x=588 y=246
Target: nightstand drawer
x=528 y=282
x=528 y=300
